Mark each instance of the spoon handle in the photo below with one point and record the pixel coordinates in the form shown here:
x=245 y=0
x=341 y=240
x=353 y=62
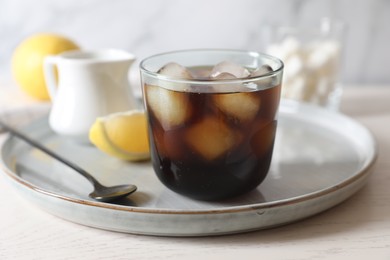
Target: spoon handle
x=37 y=145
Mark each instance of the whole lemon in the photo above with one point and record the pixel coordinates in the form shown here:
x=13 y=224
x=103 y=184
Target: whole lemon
x=28 y=57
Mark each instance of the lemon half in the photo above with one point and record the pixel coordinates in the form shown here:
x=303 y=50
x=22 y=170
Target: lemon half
x=123 y=135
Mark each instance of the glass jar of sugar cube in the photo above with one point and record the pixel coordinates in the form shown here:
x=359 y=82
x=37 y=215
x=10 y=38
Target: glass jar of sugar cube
x=312 y=57
x=212 y=118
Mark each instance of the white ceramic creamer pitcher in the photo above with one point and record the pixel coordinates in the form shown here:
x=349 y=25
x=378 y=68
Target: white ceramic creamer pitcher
x=90 y=84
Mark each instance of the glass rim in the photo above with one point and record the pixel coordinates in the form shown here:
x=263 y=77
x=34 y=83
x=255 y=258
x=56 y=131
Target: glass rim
x=156 y=75
x=321 y=27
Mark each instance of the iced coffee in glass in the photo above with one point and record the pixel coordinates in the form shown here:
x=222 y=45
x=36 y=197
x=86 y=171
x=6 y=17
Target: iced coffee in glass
x=212 y=118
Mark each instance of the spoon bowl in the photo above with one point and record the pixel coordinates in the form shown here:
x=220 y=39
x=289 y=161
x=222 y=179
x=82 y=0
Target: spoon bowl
x=100 y=193
x=107 y=194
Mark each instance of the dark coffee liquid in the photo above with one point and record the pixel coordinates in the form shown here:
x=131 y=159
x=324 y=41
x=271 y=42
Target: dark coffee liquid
x=221 y=147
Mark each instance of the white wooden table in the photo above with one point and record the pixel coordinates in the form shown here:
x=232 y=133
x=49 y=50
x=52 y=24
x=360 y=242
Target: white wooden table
x=357 y=229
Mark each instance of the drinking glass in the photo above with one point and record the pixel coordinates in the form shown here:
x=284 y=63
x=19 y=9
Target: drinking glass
x=211 y=137
x=312 y=56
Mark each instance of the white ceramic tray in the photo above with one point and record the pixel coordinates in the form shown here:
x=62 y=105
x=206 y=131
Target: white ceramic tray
x=320 y=159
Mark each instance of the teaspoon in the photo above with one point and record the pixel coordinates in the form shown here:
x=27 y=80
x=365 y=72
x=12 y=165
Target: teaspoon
x=100 y=193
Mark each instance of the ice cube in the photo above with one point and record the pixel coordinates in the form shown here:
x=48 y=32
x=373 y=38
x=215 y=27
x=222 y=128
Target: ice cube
x=264 y=69
x=263 y=139
x=224 y=75
x=166 y=144
x=174 y=71
x=242 y=106
x=228 y=87
x=211 y=138
x=229 y=67
x=171 y=108
x=201 y=73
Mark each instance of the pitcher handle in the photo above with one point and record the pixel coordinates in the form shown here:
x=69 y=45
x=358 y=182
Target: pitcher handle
x=50 y=76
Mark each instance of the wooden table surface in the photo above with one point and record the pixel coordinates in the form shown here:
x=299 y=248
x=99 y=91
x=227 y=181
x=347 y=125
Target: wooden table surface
x=359 y=228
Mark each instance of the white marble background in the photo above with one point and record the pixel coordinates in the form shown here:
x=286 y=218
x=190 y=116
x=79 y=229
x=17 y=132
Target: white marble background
x=147 y=27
